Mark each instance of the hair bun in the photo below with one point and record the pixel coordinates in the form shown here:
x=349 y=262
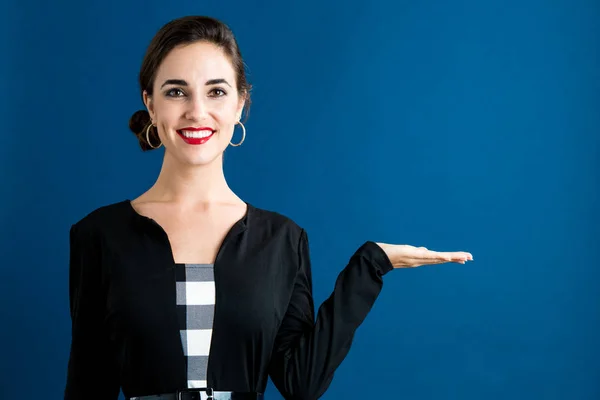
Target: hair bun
x=139 y=121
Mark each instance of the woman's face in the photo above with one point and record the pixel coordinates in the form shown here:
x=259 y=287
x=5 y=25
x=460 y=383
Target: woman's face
x=195 y=103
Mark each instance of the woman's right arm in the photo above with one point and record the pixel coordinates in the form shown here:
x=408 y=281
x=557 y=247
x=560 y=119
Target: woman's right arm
x=91 y=372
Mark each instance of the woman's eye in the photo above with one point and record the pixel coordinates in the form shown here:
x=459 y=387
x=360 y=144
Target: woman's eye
x=175 y=93
x=217 y=92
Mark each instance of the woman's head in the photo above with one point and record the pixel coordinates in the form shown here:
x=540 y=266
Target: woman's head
x=192 y=77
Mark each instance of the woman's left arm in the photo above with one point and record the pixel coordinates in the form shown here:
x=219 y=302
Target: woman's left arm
x=307 y=352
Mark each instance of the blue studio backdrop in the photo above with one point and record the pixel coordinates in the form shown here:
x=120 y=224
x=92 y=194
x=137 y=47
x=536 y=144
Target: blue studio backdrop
x=455 y=125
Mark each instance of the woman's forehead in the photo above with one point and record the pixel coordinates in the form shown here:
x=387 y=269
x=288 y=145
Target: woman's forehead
x=196 y=63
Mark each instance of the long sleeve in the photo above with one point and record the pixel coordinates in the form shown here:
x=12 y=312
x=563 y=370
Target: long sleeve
x=307 y=352
x=91 y=373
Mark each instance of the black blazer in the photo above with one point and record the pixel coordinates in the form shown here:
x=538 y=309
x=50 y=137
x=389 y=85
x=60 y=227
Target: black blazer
x=123 y=308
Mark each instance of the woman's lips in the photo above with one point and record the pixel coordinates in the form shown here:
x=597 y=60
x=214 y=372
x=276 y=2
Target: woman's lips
x=196 y=136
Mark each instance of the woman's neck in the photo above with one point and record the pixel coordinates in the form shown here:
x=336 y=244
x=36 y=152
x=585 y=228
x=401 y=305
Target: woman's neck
x=191 y=186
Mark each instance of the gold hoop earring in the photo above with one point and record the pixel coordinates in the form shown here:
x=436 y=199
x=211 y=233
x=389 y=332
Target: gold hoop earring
x=148 y=137
x=243 y=135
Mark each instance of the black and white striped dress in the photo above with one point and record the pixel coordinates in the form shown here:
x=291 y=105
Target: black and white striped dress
x=195 y=309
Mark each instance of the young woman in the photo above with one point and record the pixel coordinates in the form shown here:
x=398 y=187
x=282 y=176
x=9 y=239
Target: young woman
x=190 y=292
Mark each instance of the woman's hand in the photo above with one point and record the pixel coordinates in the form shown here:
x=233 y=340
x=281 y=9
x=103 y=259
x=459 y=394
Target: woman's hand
x=406 y=256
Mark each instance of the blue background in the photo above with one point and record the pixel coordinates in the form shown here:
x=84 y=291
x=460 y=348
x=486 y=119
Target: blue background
x=460 y=125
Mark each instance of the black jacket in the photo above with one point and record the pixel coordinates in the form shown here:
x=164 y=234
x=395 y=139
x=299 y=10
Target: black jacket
x=125 y=332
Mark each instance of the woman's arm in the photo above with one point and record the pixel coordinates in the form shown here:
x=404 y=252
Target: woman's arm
x=306 y=352
x=91 y=373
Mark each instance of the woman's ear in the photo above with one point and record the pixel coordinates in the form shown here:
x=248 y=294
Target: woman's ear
x=240 y=107
x=149 y=104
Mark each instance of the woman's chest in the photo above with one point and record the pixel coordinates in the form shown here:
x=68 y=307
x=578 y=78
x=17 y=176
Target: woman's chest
x=250 y=285
x=196 y=239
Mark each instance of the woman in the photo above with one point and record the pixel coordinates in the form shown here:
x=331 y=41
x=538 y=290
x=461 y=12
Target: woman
x=188 y=286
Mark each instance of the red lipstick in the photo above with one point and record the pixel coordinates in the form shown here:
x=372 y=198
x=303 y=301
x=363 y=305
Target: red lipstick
x=205 y=134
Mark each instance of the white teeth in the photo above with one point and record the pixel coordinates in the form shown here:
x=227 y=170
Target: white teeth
x=196 y=135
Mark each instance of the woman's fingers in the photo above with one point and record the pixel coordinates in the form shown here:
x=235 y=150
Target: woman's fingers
x=428 y=257
x=407 y=256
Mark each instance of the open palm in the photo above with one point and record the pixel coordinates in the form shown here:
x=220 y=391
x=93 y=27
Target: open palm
x=407 y=256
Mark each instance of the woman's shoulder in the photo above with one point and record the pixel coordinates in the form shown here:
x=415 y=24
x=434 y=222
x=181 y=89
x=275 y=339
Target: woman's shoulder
x=105 y=216
x=273 y=217
x=273 y=221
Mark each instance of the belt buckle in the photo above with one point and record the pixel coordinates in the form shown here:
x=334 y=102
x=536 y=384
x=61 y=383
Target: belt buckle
x=209 y=393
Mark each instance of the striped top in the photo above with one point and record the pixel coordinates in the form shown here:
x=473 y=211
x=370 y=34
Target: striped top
x=195 y=310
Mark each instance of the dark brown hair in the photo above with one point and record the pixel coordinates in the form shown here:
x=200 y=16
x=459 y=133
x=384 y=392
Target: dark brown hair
x=182 y=31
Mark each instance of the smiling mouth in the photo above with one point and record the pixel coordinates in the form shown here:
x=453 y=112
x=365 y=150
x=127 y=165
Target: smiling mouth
x=196 y=137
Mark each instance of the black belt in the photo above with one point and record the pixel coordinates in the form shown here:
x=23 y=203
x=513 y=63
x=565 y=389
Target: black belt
x=203 y=394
